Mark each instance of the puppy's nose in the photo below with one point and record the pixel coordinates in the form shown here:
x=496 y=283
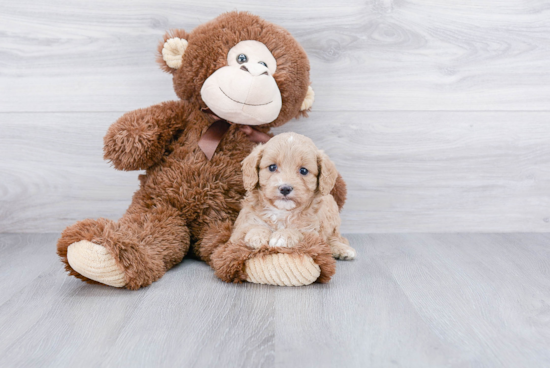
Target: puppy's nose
x=285 y=189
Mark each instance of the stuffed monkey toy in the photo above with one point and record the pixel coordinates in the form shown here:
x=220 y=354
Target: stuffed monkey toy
x=236 y=77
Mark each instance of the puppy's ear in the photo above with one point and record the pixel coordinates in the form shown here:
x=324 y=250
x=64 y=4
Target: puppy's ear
x=250 y=168
x=327 y=173
x=171 y=50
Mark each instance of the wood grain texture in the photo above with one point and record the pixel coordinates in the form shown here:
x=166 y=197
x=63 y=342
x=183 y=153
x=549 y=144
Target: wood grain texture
x=435 y=112
x=406 y=171
x=414 y=300
x=365 y=55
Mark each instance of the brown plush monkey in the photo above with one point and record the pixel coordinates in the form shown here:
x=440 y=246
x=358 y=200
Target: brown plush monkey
x=236 y=68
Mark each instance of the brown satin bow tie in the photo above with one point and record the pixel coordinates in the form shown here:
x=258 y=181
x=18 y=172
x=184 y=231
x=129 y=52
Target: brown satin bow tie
x=210 y=140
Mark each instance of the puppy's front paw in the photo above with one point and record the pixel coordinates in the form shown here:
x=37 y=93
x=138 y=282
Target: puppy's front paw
x=285 y=238
x=257 y=237
x=342 y=251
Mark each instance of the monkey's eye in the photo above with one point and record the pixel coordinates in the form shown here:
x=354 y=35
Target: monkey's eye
x=261 y=62
x=242 y=59
x=303 y=171
x=272 y=168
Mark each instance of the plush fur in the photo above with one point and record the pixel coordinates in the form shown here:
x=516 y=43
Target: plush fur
x=229 y=259
x=186 y=201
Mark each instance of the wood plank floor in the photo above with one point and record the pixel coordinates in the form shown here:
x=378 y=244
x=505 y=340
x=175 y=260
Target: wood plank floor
x=412 y=300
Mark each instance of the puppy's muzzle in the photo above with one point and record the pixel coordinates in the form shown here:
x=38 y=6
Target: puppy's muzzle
x=285 y=189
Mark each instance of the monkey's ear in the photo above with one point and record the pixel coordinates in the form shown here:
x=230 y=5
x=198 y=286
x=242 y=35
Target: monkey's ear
x=308 y=100
x=171 y=50
x=250 y=168
x=327 y=173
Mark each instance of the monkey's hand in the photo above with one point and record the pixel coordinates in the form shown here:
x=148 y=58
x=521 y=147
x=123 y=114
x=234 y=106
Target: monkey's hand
x=339 y=192
x=139 y=138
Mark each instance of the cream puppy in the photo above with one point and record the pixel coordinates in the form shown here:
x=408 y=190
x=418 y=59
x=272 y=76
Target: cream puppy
x=289 y=183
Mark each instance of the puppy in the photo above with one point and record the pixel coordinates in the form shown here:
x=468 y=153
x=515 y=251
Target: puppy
x=288 y=182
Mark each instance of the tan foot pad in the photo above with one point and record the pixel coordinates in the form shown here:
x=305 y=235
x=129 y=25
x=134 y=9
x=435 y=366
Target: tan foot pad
x=282 y=269
x=96 y=263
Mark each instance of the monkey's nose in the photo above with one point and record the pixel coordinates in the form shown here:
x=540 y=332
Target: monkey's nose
x=255 y=69
x=285 y=189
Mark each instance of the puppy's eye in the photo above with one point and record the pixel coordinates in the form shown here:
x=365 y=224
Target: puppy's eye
x=261 y=62
x=303 y=171
x=272 y=168
x=242 y=59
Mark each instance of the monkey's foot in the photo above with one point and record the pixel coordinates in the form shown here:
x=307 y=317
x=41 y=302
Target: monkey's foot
x=96 y=263
x=282 y=269
x=308 y=262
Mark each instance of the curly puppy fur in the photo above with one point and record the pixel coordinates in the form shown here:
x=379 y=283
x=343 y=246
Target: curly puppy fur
x=184 y=200
x=289 y=183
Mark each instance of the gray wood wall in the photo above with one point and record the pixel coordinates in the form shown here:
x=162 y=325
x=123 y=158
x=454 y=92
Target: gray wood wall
x=436 y=112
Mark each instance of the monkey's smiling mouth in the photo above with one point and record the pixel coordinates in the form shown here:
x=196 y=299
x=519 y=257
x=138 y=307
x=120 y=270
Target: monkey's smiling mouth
x=244 y=103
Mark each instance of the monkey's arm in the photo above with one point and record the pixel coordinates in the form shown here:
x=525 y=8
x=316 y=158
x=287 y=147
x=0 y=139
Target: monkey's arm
x=139 y=138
